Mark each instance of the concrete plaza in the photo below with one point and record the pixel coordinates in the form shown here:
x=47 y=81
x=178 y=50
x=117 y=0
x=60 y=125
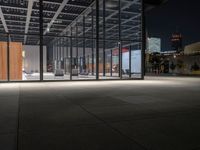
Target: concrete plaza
x=159 y=113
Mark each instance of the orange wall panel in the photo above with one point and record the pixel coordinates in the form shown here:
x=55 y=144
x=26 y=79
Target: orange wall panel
x=3 y=60
x=15 y=62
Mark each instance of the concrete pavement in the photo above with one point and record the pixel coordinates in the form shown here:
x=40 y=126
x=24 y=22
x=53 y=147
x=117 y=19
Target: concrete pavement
x=159 y=113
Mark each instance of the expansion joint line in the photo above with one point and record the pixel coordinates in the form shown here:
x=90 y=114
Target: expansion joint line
x=108 y=125
x=18 y=121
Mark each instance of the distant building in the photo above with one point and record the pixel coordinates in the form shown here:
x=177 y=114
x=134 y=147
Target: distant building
x=168 y=52
x=192 y=49
x=153 y=45
x=176 y=42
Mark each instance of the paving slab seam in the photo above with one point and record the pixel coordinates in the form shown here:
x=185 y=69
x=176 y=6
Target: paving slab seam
x=116 y=130
x=18 y=121
x=110 y=126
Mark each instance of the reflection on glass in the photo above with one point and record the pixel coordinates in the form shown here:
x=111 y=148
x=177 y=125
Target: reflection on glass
x=136 y=66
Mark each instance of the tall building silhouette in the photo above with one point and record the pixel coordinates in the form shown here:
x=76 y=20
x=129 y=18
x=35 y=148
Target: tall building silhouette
x=176 y=42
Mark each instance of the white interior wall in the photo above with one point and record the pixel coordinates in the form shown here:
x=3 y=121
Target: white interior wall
x=32 y=58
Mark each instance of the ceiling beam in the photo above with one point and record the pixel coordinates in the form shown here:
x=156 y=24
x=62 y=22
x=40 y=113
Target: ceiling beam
x=57 y=3
x=45 y=11
x=115 y=34
x=115 y=13
x=125 y=22
x=3 y=21
x=63 y=13
x=62 y=5
x=86 y=11
x=28 y=18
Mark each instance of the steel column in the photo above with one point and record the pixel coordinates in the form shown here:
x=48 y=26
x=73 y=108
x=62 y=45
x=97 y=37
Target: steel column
x=120 y=42
x=130 y=61
x=104 y=36
x=97 y=39
x=92 y=41
x=71 y=55
x=41 y=39
x=143 y=40
x=111 y=55
x=77 y=44
x=59 y=41
x=62 y=49
x=67 y=45
x=8 y=57
x=57 y=52
x=84 y=64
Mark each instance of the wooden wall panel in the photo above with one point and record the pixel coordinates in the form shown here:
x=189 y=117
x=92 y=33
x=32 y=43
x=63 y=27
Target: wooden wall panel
x=15 y=61
x=3 y=61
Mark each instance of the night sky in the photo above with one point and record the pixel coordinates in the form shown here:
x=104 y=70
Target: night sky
x=183 y=15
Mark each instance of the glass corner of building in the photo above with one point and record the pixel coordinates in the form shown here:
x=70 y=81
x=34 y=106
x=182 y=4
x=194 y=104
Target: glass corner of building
x=69 y=40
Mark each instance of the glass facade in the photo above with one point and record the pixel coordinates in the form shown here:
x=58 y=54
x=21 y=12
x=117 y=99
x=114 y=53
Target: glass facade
x=45 y=40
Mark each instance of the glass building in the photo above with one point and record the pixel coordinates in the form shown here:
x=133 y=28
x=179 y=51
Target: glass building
x=45 y=40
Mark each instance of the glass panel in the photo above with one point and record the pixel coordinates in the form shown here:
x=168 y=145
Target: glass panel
x=115 y=59
x=131 y=20
x=58 y=66
x=21 y=20
x=108 y=63
x=69 y=45
x=75 y=23
x=84 y=46
x=131 y=35
x=126 y=61
x=24 y=57
x=111 y=22
x=136 y=66
x=111 y=60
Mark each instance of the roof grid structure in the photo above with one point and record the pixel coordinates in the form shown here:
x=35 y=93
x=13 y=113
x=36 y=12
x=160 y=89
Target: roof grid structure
x=23 y=25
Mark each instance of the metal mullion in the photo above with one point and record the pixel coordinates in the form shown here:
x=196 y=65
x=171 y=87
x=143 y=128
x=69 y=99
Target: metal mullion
x=104 y=36
x=53 y=51
x=111 y=55
x=59 y=49
x=62 y=56
x=119 y=43
x=84 y=43
x=130 y=61
x=143 y=40
x=88 y=61
x=57 y=54
x=97 y=39
x=71 y=55
x=77 y=44
x=8 y=57
x=41 y=39
x=92 y=41
x=67 y=45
